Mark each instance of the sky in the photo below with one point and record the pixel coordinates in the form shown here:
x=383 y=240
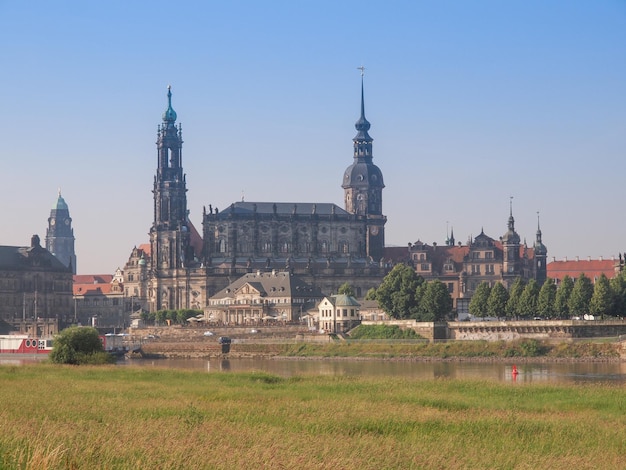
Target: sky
x=470 y=104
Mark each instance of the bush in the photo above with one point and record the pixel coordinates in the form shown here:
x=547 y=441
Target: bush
x=382 y=332
x=79 y=345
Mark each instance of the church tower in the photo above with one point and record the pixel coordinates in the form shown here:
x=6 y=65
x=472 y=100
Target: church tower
x=511 y=267
x=363 y=186
x=541 y=255
x=60 y=234
x=169 y=234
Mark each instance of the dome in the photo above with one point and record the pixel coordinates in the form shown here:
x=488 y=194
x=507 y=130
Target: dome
x=361 y=174
x=169 y=115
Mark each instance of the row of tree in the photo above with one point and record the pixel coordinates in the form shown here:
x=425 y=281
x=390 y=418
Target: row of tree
x=404 y=294
x=571 y=298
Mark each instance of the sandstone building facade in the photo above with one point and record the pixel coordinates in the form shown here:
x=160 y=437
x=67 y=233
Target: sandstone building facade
x=325 y=244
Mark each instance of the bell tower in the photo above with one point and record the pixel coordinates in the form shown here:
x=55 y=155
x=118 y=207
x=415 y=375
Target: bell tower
x=541 y=255
x=511 y=266
x=169 y=234
x=363 y=186
x=60 y=234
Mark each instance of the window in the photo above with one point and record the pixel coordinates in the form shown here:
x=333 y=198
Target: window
x=451 y=287
x=425 y=267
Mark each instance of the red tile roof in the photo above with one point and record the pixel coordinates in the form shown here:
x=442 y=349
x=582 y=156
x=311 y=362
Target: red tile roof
x=593 y=269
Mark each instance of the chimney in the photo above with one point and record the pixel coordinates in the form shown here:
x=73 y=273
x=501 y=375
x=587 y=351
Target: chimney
x=577 y=258
x=601 y=258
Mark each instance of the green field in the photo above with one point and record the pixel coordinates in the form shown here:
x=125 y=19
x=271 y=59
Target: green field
x=107 y=417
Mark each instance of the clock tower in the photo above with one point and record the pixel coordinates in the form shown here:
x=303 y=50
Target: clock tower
x=60 y=234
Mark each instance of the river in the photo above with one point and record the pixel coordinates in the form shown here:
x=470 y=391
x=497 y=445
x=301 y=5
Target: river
x=539 y=372
x=561 y=372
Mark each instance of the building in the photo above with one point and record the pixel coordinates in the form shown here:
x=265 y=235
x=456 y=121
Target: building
x=592 y=268
x=34 y=285
x=483 y=259
x=100 y=300
x=60 y=234
x=338 y=314
x=323 y=243
x=263 y=298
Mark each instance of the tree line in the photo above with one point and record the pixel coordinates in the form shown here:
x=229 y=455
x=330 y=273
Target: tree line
x=404 y=294
x=571 y=298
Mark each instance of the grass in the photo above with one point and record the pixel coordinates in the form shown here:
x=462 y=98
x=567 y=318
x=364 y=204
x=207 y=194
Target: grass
x=63 y=417
x=528 y=348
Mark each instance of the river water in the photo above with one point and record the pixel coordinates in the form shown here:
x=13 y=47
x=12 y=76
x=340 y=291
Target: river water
x=540 y=372
x=527 y=372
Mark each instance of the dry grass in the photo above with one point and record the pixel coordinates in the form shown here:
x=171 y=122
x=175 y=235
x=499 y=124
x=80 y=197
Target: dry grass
x=125 y=418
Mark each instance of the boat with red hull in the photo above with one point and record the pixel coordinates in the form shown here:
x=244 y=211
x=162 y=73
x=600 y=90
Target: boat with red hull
x=24 y=344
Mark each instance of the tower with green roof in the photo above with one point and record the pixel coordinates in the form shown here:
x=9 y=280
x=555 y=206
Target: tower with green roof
x=60 y=234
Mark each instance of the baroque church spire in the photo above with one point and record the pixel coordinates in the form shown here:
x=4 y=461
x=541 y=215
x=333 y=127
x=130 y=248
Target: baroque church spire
x=363 y=184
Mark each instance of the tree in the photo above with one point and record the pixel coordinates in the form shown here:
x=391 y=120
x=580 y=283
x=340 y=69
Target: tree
x=515 y=293
x=496 y=304
x=618 y=291
x=528 y=301
x=602 y=299
x=435 y=302
x=346 y=289
x=478 y=303
x=545 y=302
x=581 y=295
x=371 y=294
x=561 y=300
x=397 y=295
x=78 y=345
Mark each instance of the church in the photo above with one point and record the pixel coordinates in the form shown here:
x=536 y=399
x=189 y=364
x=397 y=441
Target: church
x=326 y=245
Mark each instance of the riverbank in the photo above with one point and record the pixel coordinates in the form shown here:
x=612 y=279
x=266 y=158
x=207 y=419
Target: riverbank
x=518 y=351
x=127 y=418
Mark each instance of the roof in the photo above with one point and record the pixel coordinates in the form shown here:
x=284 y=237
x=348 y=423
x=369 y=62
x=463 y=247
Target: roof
x=95 y=284
x=592 y=268
x=281 y=208
x=271 y=284
x=33 y=258
x=93 y=278
x=342 y=300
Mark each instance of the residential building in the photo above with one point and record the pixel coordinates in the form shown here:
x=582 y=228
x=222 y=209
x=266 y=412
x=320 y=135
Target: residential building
x=338 y=314
x=100 y=300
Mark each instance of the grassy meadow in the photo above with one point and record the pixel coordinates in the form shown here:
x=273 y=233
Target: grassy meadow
x=107 y=417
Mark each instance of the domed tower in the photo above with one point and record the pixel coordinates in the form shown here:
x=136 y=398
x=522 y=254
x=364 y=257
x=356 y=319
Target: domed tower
x=512 y=267
x=541 y=255
x=169 y=234
x=363 y=186
x=60 y=234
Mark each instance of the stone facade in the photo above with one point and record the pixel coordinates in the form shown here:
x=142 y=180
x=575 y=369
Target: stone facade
x=34 y=284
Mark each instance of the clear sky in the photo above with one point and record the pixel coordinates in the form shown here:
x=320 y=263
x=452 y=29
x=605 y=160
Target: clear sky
x=470 y=103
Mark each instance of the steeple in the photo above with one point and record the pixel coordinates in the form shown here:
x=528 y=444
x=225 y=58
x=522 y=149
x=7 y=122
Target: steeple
x=541 y=255
x=60 y=234
x=170 y=201
x=169 y=235
x=363 y=184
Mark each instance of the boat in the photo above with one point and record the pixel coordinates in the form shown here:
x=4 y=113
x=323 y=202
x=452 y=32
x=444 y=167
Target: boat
x=24 y=344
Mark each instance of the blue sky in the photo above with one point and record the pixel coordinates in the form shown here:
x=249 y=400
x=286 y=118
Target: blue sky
x=470 y=103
